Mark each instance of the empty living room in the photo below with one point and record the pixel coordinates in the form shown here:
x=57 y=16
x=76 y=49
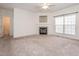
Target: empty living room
x=39 y=29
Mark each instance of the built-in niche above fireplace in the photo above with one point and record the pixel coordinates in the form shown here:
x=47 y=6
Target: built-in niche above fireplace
x=43 y=30
x=42 y=19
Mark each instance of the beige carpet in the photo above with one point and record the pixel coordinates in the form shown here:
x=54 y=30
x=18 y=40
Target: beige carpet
x=39 y=46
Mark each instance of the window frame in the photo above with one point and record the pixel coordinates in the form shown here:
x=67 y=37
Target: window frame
x=64 y=23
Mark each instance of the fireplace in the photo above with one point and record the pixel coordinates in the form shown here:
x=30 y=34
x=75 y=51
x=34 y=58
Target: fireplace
x=43 y=30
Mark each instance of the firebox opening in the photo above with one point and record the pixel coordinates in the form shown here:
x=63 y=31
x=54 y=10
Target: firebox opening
x=43 y=30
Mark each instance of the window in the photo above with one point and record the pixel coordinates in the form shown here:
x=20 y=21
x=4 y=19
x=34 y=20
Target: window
x=70 y=24
x=65 y=24
x=59 y=24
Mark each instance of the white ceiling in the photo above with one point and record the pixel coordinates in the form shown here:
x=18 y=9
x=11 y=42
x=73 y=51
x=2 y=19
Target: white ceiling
x=36 y=7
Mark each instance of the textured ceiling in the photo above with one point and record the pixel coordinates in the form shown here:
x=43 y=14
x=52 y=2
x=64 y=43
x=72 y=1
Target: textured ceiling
x=36 y=7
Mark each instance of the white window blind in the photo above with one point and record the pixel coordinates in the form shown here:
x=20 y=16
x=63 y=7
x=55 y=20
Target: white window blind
x=59 y=24
x=65 y=24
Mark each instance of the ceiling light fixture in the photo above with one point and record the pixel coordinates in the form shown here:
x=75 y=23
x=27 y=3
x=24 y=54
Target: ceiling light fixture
x=45 y=6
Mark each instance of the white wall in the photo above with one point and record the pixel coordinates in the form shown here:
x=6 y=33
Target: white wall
x=51 y=25
x=24 y=23
x=0 y=26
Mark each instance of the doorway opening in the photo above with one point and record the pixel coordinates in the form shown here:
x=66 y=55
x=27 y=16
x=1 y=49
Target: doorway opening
x=6 y=26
